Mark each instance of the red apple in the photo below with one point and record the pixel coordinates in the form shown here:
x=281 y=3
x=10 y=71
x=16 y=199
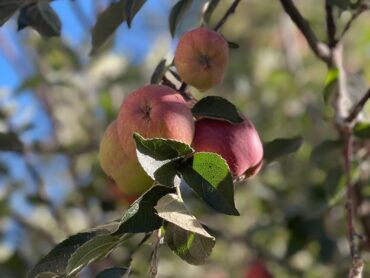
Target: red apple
x=154 y=111
x=258 y=270
x=117 y=194
x=127 y=173
x=201 y=58
x=239 y=144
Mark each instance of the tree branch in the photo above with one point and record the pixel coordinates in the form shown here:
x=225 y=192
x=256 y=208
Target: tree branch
x=228 y=13
x=356 y=110
x=331 y=28
x=320 y=49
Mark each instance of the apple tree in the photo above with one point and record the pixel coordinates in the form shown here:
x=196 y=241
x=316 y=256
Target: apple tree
x=249 y=139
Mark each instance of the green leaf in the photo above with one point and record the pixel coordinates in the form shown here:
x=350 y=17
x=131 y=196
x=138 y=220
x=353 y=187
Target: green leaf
x=233 y=45
x=166 y=174
x=31 y=83
x=173 y=210
x=57 y=259
x=41 y=17
x=10 y=142
x=362 y=130
x=177 y=13
x=324 y=149
x=8 y=8
x=209 y=176
x=335 y=185
x=108 y=22
x=216 y=108
x=131 y=9
x=141 y=216
x=92 y=250
x=158 y=73
x=154 y=153
x=189 y=246
x=209 y=7
x=280 y=147
x=114 y=272
x=330 y=83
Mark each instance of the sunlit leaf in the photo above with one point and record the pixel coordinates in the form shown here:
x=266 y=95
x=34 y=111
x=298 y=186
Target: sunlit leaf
x=96 y=248
x=209 y=176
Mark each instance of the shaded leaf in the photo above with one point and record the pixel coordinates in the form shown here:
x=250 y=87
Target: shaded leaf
x=131 y=9
x=41 y=17
x=173 y=210
x=233 y=45
x=154 y=153
x=10 y=142
x=31 y=83
x=321 y=151
x=166 y=173
x=158 y=73
x=209 y=7
x=209 y=176
x=57 y=259
x=115 y=272
x=280 y=147
x=189 y=246
x=215 y=107
x=177 y=13
x=92 y=250
x=335 y=184
x=362 y=130
x=8 y=8
x=141 y=216
x=108 y=22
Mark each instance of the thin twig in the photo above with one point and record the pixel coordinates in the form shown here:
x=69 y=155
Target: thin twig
x=331 y=28
x=228 y=13
x=352 y=19
x=153 y=268
x=356 y=110
x=347 y=153
x=320 y=49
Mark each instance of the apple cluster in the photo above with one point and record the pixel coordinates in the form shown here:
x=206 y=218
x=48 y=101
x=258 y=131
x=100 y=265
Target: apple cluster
x=159 y=111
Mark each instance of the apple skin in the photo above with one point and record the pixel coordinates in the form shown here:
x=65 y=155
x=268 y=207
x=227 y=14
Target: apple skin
x=201 y=58
x=127 y=173
x=154 y=111
x=239 y=144
x=258 y=270
x=121 y=197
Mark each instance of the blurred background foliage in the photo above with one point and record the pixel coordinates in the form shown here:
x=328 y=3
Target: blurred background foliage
x=292 y=214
